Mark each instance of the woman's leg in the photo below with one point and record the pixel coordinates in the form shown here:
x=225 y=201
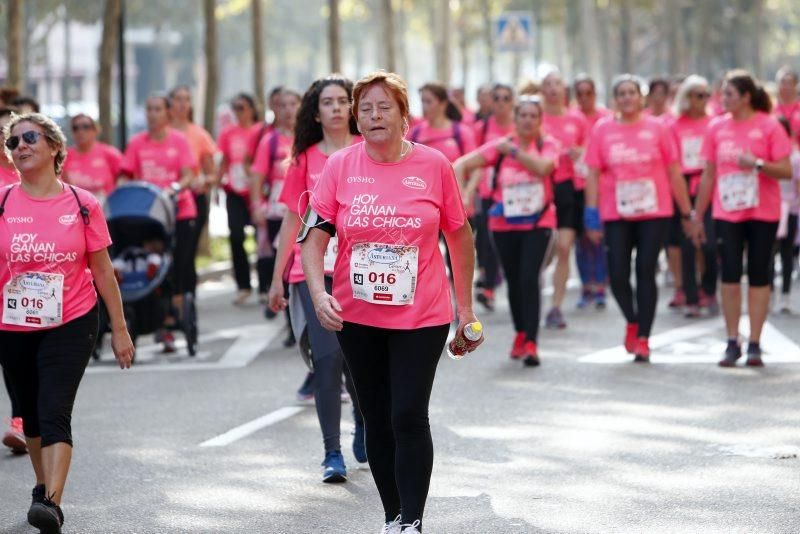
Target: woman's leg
x=619 y=247
x=710 y=257
x=731 y=249
x=760 y=244
x=535 y=245
x=650 y=237
x=787 y=255
x=509 y=249
x=238 y=216
x=414 y=355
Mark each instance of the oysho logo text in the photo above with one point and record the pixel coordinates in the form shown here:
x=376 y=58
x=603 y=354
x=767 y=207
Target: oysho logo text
x=360 y=180
x=20 y=220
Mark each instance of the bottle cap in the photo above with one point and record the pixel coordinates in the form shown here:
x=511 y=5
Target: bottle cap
x=476 y=327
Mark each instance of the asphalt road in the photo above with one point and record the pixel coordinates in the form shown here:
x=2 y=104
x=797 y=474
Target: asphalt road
x=587 y=443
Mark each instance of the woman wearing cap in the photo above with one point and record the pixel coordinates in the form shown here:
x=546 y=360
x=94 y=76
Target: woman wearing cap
x=387 y=200
x=53 y=241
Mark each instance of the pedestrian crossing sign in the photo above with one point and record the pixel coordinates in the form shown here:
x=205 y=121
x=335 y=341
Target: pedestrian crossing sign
x=513 y=31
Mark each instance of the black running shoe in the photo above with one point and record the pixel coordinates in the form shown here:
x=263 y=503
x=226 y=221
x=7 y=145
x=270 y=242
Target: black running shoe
x=732 y=353
x=46 y=516
x=754 y=356
x=38 y=494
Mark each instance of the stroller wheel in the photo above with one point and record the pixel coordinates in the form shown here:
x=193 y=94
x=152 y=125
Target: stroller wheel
x=189 y=323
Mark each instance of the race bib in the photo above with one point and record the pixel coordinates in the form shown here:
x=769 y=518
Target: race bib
x=330 y=254
x=690 y=149
x=276 y=210
x=636 y=197
x=523 y=199
x=384 y=274
x=581 y=168
x=239 y=179
x=34 y=299
x=738 y=191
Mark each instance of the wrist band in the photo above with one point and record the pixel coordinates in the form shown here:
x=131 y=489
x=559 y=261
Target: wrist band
x=591 y=219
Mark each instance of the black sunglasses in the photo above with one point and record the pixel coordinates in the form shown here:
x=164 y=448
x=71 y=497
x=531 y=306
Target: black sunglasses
x=31 y=137
x=502 y=98
x=83 y=126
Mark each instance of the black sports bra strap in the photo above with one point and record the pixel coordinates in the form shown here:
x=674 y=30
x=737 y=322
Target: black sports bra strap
x=83 y=210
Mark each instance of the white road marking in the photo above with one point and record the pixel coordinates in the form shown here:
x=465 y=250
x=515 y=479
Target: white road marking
x=253 y=426
x=693 y=344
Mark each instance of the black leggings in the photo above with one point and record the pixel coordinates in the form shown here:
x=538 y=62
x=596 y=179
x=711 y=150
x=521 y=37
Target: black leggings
x=393 y=372
x=522 y=255
x=785 y=248
x=15 y=409
x=184 y=274
x=708 y=281
x=648 y=238
x=45 y=369
x=487 y=256
x=328 y=368
x=200 y=223
x=265 y=265
x=759 y=238
x=238 y=219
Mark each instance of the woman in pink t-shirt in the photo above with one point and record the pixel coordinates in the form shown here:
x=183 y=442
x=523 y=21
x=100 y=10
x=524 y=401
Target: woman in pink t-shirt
x=523 y=216
x=788 y=105
x=746 y=152
x=53 y=244
x=388 y=200
x=162 y=156
x=90 y=164
x=634 y=175
x=442 y=128
x=689 y=129
x=324 y=125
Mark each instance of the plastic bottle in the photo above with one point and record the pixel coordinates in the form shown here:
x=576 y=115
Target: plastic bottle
x=461 y=344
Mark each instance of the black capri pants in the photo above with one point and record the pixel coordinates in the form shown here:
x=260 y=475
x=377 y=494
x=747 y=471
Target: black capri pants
x=184 y=275
x=759 y=238
x=44 y=369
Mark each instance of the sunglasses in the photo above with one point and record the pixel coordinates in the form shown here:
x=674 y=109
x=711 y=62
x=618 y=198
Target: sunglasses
x=501 y=98
x=238 y=107
x=84 y=126
x=30 y=137
x=701 y=96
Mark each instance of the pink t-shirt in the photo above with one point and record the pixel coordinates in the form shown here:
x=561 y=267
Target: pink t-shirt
x=95 y=170
x=234 y=142
x=49 y=236
x=570 y=130
x=485 y=131
x=689 y=134
x=405 y=203
x=301 y=177
x=763 y=137
x=273 y=167
x=792 y=114
x=513 y=172
x=8 y=175
x=667 y=117
x=453 y=142
x=632 y=158
x=599 y=113
x=161 y=163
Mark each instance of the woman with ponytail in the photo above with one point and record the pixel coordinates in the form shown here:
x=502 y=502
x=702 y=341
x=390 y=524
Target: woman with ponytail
x=746 y=153
x=442 y=127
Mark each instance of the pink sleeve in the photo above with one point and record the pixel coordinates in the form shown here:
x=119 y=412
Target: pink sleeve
x=323 y=198
x=97 y=236
x=468 y=139
x=187 y=156
x=114 y=159
x=669 y=148
x=294 y=184
x=223 y=143
x=262 y=156
x=780 y=145
x=489 y=153
x=551 y=150
x=593 y=155
x=451 y=213
x=708 y=150
x=129 y=162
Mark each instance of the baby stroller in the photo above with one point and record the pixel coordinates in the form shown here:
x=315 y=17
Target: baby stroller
x=141 y=220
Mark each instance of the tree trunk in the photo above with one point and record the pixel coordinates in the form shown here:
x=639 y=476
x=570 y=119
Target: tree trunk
x=258 y=54
x=212 y=67
x=16 y=63
x=538 y=51
x=673 y=29
x=334 y=38
x=108 y=44
x=387 y=39
x=65 y=79
x=592 y=59
x=463 y=45
x=488 y=37
x=625 y=36
x=442 y=25
x=757 y=19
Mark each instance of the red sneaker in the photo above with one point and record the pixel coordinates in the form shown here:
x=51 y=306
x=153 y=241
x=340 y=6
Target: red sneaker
x=631 y=331
x=678 y=299
x=531 y=353
x=169 y=342
x=642 y=351
x=518 y=349
x=14 y=437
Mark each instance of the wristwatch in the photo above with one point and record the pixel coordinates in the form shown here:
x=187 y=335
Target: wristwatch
x=691 y=216
x=759 y=166
x=513 y=151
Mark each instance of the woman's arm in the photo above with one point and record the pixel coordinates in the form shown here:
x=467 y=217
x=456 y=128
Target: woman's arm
x=465 y=166
x=313 y=254
x=780 y=169
x=538 y=166
x=289 y=228
x=680 y=190
x=106 y=283
x=462 y=254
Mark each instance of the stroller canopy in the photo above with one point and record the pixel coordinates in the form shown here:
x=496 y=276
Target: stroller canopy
x=141 y=203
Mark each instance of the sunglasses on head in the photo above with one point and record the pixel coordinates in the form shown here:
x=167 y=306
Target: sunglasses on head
x=31 y=137
x=505 y=98
x=82 y=126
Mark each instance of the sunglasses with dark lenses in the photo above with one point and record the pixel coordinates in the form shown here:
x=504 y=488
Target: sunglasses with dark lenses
x=505 y=98
x=238 y=108
x=82 y=126
x=30 y=137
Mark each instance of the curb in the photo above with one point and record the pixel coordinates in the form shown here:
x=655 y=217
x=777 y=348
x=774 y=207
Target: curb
x=214 y=271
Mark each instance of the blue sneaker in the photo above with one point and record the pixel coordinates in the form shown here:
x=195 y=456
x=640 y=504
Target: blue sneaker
x=585 y=300
x=359 y=443
x=600 y=300
x=334 y=468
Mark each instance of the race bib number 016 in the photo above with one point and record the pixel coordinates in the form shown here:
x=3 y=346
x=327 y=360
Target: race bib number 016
x=738 y=191
x=34 y=300
x=523 y=199
x=636 y=197
x=384 y=274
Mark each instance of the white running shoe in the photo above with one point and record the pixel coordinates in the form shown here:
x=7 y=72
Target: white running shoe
x=392 y=528
x=412 y=528
x=784 y=304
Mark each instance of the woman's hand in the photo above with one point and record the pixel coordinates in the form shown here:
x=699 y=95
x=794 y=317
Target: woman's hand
x=697 y=233
x=464 y=318
x=504 y=146
x=122 y=345
x=595 y=236
x=275 y=298
x=328 y=310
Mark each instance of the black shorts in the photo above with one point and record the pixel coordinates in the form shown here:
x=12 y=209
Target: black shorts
x=759 y=238
x=569 y=206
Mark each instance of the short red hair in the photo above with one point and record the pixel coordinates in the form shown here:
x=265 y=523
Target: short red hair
x=394 y=85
